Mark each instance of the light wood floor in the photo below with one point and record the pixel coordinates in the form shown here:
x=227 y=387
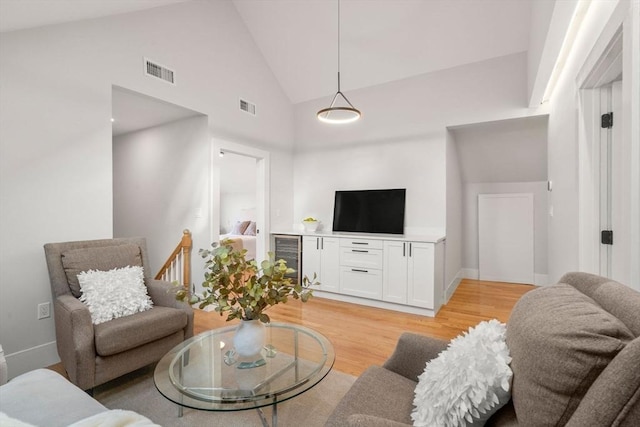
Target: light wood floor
x=364 y=336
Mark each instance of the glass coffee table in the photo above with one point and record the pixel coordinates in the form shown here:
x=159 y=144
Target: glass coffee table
x=205 y=373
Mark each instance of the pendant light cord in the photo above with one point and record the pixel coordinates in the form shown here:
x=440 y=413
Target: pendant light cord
x=338 y=45
x=344 y=114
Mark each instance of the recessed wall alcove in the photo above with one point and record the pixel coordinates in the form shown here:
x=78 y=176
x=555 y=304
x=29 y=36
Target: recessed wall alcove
x=506 y=156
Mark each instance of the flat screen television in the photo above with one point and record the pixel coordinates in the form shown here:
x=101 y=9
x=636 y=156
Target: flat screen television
x=370 y=211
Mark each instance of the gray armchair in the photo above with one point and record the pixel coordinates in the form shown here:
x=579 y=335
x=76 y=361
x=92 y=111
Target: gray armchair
x=94 y=354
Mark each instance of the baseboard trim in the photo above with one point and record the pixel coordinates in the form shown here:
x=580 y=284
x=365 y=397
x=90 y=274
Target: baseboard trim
x=469 y=273
x=474 y=274
x=541 y=279
x=452 y=286
x=26 y=360
x=375 y=303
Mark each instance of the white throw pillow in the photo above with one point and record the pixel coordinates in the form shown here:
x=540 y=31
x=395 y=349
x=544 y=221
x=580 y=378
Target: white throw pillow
x=114 y=293
x=468 y=382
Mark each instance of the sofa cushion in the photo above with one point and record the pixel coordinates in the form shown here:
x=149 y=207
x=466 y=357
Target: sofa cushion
x=378 y=392
x=615 y=395
x=102 y=258
x=560 y=341
x=128 y=332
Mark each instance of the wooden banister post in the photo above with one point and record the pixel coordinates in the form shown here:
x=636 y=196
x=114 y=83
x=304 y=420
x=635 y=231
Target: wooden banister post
x=187 y=244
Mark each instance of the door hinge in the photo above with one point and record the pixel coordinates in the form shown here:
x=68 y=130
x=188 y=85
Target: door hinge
x=606 y=121
x=606 y=237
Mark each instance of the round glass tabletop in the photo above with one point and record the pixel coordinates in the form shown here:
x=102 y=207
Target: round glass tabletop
x=205 y=373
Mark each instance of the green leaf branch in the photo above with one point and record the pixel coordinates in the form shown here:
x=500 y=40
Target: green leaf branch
x=243 y=289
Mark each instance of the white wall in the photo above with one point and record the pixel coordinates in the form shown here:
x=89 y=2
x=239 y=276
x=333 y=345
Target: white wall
x=55 y=133
x=541 y=13
x=563 y=236
x=470 y=221
x=416 y=165
x=161 y=182
x=455 y=211
x=401 y=139
x=421 y=106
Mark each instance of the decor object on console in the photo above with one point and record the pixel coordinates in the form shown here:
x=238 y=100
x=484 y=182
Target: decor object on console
x=310 y=224
x=562 y=375
x=94 y=354
x=339 y=114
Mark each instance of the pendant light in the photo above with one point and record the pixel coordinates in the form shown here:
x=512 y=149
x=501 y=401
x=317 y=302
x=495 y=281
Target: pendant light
x=339 y=114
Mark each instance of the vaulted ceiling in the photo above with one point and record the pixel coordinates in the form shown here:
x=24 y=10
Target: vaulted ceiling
x=380 y=40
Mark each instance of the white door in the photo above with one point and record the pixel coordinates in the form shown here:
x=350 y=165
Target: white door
x=330 y=264
x=421 y=273
x=311 y=257
x=394 y=283
x=505 y=228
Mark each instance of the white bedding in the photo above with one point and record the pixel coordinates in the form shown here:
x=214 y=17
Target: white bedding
x=247 y=242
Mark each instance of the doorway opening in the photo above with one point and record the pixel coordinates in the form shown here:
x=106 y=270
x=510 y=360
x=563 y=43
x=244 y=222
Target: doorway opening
x=240 y=193
x=605 y=164
x=160 y=174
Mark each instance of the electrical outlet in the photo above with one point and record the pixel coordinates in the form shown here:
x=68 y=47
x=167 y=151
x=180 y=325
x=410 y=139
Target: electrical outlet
x=44 y=310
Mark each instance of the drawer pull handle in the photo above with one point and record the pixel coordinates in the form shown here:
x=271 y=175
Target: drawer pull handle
x=359 y=243
x=360 y=251
x=359 y=271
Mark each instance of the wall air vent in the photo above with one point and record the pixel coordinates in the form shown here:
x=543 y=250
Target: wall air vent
x=248 y=107
x=153 y=69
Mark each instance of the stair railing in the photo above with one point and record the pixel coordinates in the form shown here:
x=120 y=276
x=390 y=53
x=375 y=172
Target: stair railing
x=177 y=268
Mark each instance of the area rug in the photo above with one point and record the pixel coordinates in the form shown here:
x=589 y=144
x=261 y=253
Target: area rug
x=137 y=392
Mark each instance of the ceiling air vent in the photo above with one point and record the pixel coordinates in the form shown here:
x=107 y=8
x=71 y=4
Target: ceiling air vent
x=248 y=107
x=154 y=69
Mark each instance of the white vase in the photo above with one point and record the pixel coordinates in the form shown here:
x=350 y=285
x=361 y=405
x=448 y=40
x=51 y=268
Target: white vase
x=310 y=226
x=249 y=338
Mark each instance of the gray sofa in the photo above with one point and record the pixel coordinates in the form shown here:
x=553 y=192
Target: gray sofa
x=575 y=359
x=44 y=398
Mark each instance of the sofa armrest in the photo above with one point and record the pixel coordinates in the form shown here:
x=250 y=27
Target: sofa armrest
x=45 y=398
x=412 y=352
x=163 y=294
x=75 y=340
x=362 y=420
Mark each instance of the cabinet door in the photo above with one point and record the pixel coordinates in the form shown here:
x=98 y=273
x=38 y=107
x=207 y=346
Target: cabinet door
x=330 y=264
x=421 y=275
x=394 y=284
x=311 y=257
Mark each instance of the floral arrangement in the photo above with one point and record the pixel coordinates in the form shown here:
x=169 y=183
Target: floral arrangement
x=241 y=288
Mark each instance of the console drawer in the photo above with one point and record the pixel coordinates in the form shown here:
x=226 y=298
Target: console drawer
x=361 y=282
x=346 y=242
x=361 y=258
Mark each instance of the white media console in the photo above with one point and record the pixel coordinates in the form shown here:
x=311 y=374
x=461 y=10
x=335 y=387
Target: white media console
x=404 y=273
